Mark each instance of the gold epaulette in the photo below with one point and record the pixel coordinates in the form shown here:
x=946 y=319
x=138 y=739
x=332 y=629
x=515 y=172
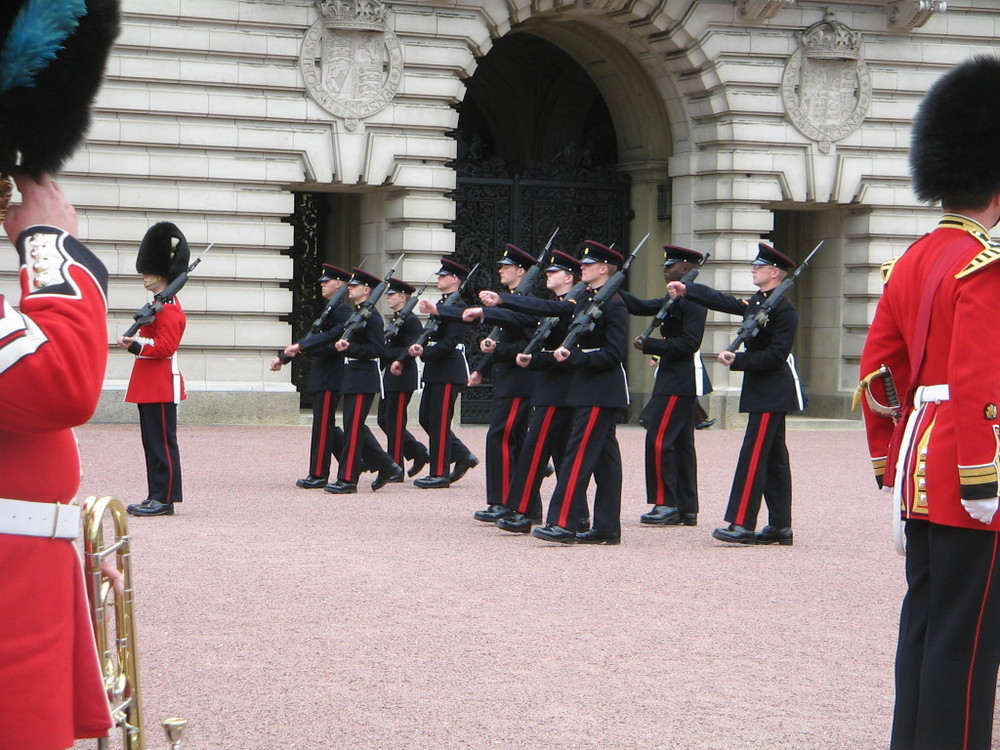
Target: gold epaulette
x=886 y=269
x=991 y=249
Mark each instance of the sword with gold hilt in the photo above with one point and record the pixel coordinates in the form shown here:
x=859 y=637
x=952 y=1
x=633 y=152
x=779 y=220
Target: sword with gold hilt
x=892 y=409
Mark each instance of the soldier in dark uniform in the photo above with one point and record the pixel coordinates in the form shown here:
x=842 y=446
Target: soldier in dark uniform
x=362 y=381
x=445 y=372
x=397 y=390
x=512 y=389
x=548 y=426
x=770 y=390
x=598 y=390
x=670 y=415
x=325 y=374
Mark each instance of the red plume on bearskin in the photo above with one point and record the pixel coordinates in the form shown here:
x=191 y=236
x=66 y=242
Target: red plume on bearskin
x=955 y=148
x=163 y=252
x=52 y=59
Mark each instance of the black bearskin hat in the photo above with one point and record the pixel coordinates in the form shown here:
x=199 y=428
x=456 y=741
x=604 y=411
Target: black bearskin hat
x=955 y=150
x=163 y=252
x=52 y=58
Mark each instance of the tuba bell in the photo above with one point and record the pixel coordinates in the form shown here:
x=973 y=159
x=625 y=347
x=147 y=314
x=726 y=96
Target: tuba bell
x=116 y=645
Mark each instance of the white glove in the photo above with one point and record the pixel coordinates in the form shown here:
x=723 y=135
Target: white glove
x=981 y=510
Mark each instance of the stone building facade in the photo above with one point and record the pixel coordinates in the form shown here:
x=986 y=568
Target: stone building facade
x=729 y=122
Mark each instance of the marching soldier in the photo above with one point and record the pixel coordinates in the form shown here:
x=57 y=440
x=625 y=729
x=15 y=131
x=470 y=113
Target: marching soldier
x=361 y=382
x=398 y=389
x=445 y=372
x=326 y=372
x=512 y=389
x=670 y=415
x=597 y=392
x=930 y=335
x=548 y=427
x=156 y=384
x=770 y=390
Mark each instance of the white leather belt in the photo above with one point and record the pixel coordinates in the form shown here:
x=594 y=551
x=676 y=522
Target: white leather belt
x=54 y=520
x=927 y=394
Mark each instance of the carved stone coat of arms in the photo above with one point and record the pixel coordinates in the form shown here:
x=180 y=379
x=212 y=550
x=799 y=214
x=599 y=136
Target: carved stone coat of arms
x=351 y=61
x=826 y=87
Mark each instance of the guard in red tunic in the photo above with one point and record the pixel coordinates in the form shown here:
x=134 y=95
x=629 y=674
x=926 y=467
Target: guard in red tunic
x=935 y=436
x=157 y=385
x=52 y=359
x=53 y=352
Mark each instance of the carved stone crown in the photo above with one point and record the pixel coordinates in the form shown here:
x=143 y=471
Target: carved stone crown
x=830 y=39
x=354 y=14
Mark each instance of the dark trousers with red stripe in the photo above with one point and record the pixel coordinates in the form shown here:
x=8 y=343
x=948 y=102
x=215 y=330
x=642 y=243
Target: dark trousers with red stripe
x=400 y=442
x=158 y=426
x=504 y=441
x=359 y=442
x=949 y=639
x=762 y=470
x=437 y=408
x=671 y=463
x=548 y=433
x=592 y=450
x=327 y=437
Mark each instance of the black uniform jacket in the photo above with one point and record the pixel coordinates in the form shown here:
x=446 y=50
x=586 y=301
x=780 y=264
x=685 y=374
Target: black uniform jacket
x=361 y=373
x=769 y=384
x=326 y=369
x=596 y=361
x=444 y=352
x=677 y=372
x=394 y=349
x=509 y=379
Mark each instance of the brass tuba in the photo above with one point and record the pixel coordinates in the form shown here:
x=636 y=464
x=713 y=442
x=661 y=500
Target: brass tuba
x=116 y=649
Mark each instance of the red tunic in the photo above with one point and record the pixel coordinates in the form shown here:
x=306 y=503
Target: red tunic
x=156 y=378
x=52 y=360
x=955 y=448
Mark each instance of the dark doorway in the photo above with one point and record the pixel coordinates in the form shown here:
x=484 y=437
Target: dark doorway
x=536 y=150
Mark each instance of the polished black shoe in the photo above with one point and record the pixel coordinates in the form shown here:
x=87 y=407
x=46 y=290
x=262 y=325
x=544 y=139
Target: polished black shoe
x=461 y=467
x=418 y=465
x=548 y=471
x=689 y=519
x=583 y=524
x=518 y=523
x=431 y=483
x=661 y=515
x=598 y=537
x=551 y=533
x=312 y=482
x=492 y=513
x=342 y=488
x=151 y=508
x=704 y=425
x=393 y=474
x=775 y=535
x=735 y=535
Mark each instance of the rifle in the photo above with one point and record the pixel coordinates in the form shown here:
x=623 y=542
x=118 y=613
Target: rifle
x=545 y=328
x=359 y=318
x=434 y=323
x=396 y=325
x=528 y=282
x=319 y=325
x=668 y=303
x=752 y=325
x=147 y=314
x=586 y=320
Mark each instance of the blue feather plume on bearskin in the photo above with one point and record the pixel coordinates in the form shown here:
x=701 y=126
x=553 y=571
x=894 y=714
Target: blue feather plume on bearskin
x=52 y=59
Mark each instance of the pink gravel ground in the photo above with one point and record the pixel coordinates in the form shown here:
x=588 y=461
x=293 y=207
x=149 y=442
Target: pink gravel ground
x=272 y=616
